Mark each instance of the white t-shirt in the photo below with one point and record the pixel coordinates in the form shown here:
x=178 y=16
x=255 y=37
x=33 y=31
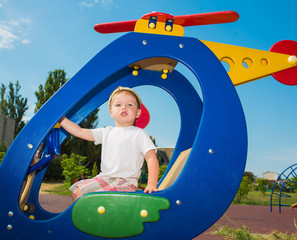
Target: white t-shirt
x=123 y=151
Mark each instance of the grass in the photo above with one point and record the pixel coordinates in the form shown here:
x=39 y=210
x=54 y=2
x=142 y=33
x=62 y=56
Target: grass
x=257 y=198
x=54 y=188
x=244 y=233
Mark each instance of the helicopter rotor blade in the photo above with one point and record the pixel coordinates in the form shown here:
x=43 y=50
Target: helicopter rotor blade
x=206 y=18
x=114 y=27
x=183 y=20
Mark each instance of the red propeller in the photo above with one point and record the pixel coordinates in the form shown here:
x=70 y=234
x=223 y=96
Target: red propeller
x=287 y=76
x=183 y=20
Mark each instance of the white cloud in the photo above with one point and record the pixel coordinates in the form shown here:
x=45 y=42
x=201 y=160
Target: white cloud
x=26 y=41
x=2 y=2
x=87 y=4
x=105 y=4
x=7 y=38
x=14 y=31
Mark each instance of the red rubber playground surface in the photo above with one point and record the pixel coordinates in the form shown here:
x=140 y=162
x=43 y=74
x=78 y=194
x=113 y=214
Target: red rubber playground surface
x=257 y=218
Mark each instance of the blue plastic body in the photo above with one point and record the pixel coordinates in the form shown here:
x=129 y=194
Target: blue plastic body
x=53 y=150
x=215 y=130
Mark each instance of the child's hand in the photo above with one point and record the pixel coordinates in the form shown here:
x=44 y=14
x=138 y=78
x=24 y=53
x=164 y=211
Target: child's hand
x=151 y=188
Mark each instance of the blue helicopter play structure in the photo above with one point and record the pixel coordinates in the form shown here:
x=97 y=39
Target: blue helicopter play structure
x=210 y=151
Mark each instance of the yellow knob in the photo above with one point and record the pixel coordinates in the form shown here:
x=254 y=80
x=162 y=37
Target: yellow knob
x=164 y=76
x=152 y=25
x=135 y=72
x=26 y=208
x=32 y=217
x=168 y=28
x=143 y=213
x=101 y=209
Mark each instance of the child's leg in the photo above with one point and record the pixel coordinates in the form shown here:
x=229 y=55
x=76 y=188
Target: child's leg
x=100 y=184
x=76 y=195
x=122 y=186
x=85 y=186
x=73 y=196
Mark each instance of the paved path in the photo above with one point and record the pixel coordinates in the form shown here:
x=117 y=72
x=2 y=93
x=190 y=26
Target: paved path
x=258 y=219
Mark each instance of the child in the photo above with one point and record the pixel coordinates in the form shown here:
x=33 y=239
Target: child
x=123 y=148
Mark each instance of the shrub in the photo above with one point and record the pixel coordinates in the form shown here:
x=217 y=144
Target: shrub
x=54 y=170
x=162 y=169
x=2 y=154
x=73 y=168
x=95 y=170
x=3 y=147
x=262 y=184
x=244 y=189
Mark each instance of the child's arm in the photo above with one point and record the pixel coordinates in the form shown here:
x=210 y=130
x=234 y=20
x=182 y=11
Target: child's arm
x=76 y=130
x=153 y=171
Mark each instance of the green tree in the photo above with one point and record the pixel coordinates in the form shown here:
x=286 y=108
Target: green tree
x=54 y=81
x=73 y=168
x=54 y=170
x=250 y=175
x=3 y=101
x=262 y=184
x=3 y=147
x=162 y=169
x=2 y=154
x=3 y=150
x=244 y=189
x=95 y=170
x=13 y=105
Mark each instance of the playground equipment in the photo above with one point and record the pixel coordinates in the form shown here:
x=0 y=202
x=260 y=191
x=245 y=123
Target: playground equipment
x=210 y=151
x=284 y=183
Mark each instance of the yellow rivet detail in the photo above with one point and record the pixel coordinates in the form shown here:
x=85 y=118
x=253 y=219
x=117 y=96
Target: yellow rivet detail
x=135 y=73
x=168 y=28
x=164 y=76
x=142 y=25
x=136 y=67
x=292 y=59
x=32 y=217
x=165 y=71
x=152 y=25
x=25 y=208
x=143 y=213
x=101 y=209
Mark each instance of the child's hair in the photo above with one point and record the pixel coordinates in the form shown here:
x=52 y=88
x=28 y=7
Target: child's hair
x=127 y=90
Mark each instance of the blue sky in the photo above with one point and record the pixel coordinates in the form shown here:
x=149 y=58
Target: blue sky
x=40 y=36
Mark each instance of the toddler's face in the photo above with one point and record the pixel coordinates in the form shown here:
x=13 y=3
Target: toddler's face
x=124 y=109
